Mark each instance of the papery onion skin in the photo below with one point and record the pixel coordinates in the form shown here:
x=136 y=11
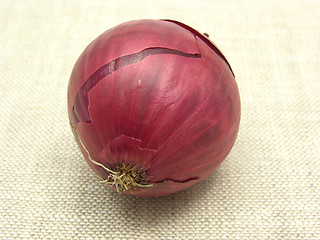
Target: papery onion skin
x=156 y=100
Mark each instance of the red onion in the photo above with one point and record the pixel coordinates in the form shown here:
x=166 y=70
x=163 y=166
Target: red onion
x=154 y=107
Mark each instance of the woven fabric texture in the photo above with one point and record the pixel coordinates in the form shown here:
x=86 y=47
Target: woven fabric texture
x=267 y=188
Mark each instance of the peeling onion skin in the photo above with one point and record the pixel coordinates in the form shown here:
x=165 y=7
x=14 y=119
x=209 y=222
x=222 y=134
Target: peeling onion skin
x=156 y=97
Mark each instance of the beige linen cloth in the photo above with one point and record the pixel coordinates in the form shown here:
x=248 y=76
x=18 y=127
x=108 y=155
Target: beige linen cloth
x=267 y=188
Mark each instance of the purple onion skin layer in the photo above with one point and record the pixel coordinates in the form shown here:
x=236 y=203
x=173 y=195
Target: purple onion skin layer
x=156 y=97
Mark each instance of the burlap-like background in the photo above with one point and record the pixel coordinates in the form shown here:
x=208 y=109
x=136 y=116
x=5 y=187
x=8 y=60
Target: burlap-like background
x=267 y=188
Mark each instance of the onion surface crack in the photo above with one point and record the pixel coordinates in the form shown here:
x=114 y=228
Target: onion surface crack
x=108 y=69
x=124 y=178
x=203 y=38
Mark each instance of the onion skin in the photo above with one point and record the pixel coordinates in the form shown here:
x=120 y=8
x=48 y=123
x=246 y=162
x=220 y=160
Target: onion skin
x=157 y=99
